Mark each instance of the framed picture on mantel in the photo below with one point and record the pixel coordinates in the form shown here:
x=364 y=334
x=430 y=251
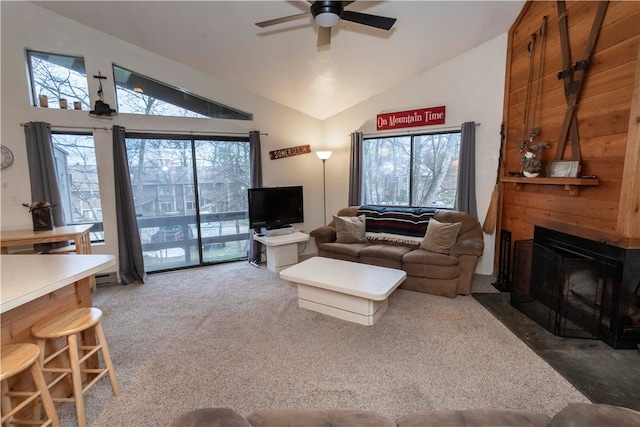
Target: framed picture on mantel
x=563 y=169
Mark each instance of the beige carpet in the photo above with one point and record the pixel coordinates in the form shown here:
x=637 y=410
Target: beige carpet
x=232 y=335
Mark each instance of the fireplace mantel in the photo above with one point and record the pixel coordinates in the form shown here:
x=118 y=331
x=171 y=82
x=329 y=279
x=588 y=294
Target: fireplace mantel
x=572 y=185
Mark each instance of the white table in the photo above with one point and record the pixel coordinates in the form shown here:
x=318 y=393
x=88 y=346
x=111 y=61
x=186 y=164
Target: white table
x=347 y=290
x=282 y=251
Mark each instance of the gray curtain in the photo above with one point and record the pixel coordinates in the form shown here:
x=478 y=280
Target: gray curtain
x=255 y=157
x=43 y=177
x=355 y=170
x=129 y=245
x=42 y=168
x=466 y=197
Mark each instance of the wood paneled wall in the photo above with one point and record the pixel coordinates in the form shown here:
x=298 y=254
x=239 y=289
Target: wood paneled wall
x=608 y=119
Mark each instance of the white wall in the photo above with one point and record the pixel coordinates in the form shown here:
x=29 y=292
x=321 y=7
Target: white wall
x=471 y=86
x=25 y=26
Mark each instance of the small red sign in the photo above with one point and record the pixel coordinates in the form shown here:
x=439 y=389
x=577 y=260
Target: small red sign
x=411 y=118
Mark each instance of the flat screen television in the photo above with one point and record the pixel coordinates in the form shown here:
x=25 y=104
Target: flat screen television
x=275 y=207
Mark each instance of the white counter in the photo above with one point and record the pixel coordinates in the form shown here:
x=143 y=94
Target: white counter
x=23 y=278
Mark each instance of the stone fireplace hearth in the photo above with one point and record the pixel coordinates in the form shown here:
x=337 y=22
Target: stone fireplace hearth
x=575 y=287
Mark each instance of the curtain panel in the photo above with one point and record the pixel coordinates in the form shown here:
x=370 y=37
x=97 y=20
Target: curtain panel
x=255 y=157
x=129 y=245
x=42 y=168
x=355 y=170
x=466 y=195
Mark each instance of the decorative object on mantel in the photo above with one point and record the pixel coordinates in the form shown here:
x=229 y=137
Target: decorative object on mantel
x=531 y=164
x=41 y=215
x=288 y=152
x=101 y=110
x=563 y=169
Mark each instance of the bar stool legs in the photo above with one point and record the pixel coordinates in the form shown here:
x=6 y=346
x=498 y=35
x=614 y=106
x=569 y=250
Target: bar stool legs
x=17 y=358
x=68 y=325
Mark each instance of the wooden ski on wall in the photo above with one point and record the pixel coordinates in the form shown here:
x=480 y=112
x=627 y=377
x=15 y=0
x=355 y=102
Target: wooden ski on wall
x=573 y=76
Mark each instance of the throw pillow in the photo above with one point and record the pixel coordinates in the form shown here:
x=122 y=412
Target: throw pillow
x=441 y=236
x=350 y=229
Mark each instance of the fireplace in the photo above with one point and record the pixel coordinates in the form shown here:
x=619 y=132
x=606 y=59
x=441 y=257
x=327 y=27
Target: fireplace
x=580 y=288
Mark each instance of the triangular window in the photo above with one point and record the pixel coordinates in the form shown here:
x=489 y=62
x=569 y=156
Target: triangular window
x=138 y=94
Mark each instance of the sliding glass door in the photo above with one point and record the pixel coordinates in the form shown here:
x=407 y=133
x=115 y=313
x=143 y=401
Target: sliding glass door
x=191 y=198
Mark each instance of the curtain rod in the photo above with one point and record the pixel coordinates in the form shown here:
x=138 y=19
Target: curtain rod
x=71 y=127
x=190 y=132
x=415 y=132
x=149 y=131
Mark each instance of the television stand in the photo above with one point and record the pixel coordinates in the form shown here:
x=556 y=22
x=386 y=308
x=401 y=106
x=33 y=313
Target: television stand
x=282 y=251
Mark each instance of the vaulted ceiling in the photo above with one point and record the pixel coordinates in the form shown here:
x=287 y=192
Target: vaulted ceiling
x=282 y=63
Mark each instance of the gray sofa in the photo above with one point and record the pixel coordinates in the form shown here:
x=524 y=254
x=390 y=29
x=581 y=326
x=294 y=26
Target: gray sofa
x=574 y=415
x=446 y=274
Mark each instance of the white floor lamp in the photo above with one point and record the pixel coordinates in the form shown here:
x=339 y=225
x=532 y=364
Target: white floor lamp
x=324 y=155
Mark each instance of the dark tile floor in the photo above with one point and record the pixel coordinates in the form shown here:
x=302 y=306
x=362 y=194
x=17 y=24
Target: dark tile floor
x=601 y=373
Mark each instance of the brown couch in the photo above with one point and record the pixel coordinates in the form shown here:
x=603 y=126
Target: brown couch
x=574 y=415
x=434 y=273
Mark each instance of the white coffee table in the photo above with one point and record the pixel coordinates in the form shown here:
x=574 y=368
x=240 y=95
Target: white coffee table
x=347 y=290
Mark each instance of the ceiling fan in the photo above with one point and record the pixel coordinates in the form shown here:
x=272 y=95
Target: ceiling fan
x=329 y=13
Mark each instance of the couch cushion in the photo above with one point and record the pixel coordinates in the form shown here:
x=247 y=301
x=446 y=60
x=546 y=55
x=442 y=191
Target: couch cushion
x=441 y=236
x=349 y=249
x=421 y=256
x=350 y=229
x=210 y=417
x=319 y=418
x=475 y=418
x=393 y=252
x=389 y=256
x=595 y=415
x=469 y=223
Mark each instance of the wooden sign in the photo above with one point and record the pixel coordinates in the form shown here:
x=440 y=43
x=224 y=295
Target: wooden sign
x=411 y=118
x=288 y=152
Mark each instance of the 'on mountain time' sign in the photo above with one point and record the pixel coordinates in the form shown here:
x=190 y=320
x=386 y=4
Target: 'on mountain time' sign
x=411 y=118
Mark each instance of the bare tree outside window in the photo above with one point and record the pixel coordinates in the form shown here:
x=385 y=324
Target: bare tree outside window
x=190 y=192
x=413 y=171
x=77 y=173
x=138 y=94
x=58 y=77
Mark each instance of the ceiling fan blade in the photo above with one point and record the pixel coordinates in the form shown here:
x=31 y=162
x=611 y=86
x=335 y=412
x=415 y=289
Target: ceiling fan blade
x=281 y=20
x=324 y=36
x=381 y=22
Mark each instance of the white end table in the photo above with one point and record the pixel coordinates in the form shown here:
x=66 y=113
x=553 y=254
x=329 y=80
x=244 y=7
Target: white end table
x=282 y=251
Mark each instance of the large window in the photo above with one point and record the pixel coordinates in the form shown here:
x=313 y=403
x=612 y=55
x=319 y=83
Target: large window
x=58 y=77
x=138 y=94
x=77 y=174
x=413 y=171
x=190 y=195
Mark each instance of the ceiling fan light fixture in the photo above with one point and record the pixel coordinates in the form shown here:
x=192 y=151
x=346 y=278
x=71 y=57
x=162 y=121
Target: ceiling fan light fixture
x=326 y=13
x=327 y=19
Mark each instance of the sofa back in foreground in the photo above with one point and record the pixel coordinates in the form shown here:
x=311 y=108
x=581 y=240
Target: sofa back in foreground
x=574 y=415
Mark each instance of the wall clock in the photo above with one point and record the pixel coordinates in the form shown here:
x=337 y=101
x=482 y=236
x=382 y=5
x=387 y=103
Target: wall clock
x=7 y=157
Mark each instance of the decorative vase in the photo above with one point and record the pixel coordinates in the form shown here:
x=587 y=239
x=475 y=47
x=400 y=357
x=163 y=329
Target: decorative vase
x=42 y=220
x=531 y=174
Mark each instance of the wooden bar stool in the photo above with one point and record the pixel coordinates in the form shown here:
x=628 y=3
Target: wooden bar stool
x=17 y=358
x=68 y=325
